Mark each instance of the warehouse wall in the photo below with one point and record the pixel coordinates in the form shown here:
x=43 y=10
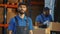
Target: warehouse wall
x=36 y=10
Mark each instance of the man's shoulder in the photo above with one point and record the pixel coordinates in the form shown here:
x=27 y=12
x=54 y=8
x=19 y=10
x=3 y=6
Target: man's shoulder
x=13 y=18
x=29 y=18
x=39 y=16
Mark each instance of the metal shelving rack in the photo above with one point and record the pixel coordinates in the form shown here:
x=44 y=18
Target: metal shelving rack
x=5 y=6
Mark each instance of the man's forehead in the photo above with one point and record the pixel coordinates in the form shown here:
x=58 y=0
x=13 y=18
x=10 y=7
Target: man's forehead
x=22 y=5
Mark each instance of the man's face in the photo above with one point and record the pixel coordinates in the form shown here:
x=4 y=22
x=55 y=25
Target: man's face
x=22 y=9
x=46 y=12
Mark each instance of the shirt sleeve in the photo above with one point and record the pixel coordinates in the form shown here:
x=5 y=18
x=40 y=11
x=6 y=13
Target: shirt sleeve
x=30 y=24
x=11 y=24
x=37 y=19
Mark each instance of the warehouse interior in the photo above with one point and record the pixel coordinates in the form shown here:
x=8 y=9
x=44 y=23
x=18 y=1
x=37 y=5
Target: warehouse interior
x=8 y=10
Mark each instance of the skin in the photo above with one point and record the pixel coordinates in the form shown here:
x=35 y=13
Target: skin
x=21 y=10
x=46 y=13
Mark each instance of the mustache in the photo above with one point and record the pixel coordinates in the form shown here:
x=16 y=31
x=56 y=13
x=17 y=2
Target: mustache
x=20 y=10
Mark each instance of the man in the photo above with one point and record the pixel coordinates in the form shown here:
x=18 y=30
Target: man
x=20 y=24
x=43 y=20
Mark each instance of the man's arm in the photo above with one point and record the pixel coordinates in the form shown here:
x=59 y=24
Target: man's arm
x=10 y=31
x=38 y=24
x=38 y=21
x=11 y=26
x=30 y=26
x=31 y=32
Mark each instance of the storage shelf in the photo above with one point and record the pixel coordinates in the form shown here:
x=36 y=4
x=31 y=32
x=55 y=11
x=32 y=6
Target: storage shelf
x=4 y=25
x=8 y=5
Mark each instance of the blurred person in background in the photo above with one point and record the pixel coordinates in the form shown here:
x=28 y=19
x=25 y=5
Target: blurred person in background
x=43 y=20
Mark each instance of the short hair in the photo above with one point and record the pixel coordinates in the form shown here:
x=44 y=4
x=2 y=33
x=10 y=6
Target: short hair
x=21 y=4
x=45 y=9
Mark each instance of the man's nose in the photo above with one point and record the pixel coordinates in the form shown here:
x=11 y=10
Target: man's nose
x=21 y=8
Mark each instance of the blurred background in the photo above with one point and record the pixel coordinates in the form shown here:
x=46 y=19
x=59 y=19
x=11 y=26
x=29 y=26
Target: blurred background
x=8 y=10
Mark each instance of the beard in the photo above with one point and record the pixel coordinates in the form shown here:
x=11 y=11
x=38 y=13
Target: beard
x=47 y=15
x=21 y=12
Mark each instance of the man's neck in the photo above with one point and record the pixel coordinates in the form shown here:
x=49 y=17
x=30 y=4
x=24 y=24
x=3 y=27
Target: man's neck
x=22 y=15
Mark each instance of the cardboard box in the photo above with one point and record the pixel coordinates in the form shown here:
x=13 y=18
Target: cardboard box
x=55 y=26
x=41 y=30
